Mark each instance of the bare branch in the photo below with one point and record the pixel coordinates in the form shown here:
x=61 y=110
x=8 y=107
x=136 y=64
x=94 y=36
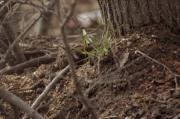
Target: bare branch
x=30 y=25
x=41 y=8
x=11 y=98
x=32 y=62
x=4 y=8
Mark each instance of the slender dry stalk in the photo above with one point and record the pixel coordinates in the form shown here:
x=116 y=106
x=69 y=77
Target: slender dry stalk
x=62 y=24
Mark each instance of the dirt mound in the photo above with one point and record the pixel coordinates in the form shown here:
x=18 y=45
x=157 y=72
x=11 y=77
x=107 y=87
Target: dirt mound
x=138 y=79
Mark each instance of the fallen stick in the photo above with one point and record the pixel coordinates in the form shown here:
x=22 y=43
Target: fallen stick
x=33 y=62
x=16 y=101
x=50 y=86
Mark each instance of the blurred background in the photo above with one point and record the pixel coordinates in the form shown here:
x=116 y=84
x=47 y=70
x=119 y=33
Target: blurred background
x=86 y=15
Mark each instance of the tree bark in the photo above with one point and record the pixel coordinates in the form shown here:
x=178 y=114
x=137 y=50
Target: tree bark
x=125 y=15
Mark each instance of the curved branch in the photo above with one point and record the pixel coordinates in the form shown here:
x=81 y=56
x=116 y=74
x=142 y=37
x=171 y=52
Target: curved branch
x=11 y=98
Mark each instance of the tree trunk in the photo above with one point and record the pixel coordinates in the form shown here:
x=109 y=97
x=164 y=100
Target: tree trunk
x=125 y=15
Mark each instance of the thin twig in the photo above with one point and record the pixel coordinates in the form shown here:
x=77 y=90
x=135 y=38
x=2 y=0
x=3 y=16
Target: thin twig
x=22 y=35
x=157 y=62
x=16 y=101
x=4 y=9
x=62 y=24
x=166 y=67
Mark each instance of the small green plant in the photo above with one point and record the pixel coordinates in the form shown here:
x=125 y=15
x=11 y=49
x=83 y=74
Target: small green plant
x=100 y=47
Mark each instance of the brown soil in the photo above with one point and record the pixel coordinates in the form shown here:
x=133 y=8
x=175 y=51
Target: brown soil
x=141 y=89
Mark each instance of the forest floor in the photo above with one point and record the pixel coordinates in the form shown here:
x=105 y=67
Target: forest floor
x=138 y=79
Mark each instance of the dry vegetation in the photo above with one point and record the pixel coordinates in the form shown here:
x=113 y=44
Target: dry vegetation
x=54 y=75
